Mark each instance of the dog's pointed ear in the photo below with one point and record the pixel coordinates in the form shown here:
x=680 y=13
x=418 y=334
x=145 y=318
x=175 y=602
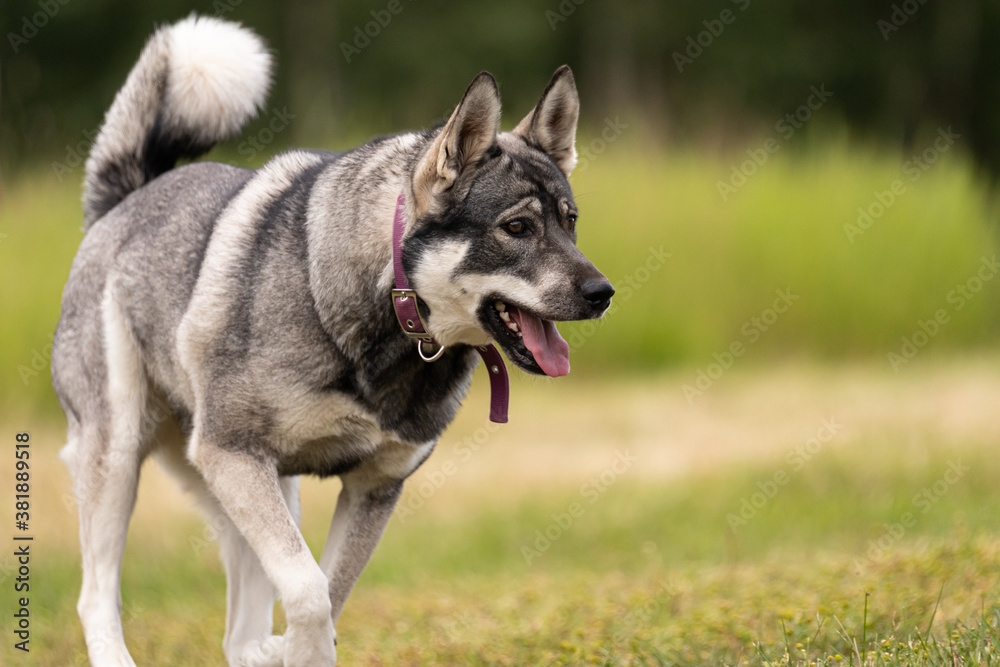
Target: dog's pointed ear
x=551 y=125
x=469 y=134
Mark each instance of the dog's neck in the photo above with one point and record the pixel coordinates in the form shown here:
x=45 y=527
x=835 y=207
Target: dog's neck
x=350 y=276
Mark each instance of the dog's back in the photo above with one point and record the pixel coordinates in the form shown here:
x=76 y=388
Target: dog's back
x=151 y=245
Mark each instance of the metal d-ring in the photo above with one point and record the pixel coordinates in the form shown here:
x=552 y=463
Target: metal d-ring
x=434 y=357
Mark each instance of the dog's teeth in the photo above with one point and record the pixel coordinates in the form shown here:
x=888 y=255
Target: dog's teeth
x=500 y=305
x=505 y=316
x=512 y=326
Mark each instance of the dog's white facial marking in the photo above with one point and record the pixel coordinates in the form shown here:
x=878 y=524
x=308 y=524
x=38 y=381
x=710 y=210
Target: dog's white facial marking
x=454 y=298
x=453 y=307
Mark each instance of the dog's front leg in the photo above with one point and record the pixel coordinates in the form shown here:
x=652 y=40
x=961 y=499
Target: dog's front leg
x=363 y=510
x=247 y=487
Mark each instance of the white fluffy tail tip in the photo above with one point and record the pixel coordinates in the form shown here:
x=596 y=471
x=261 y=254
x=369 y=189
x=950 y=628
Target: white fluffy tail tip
x=218 y=77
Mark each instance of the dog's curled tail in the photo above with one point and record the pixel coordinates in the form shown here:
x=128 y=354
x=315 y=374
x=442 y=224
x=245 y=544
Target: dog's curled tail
x=197 y=82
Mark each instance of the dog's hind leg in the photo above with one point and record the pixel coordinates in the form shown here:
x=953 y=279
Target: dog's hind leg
x=106 y=450
x=250 y=595
x=104 y=485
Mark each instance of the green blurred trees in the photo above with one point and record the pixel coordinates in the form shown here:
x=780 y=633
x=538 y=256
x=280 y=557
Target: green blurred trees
x=689 y=71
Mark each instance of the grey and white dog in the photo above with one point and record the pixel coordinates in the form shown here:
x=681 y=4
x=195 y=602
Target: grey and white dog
x=255 y=305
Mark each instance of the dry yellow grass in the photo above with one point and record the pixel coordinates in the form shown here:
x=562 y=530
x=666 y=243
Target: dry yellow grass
x=561 y=434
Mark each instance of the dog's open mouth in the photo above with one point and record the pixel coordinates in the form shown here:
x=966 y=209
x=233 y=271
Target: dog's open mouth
x=531 y=342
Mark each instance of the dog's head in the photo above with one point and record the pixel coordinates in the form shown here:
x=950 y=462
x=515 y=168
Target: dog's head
x=492 y=251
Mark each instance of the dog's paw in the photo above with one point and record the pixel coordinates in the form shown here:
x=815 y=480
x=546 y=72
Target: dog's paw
x=313 y=649
x=267 y=653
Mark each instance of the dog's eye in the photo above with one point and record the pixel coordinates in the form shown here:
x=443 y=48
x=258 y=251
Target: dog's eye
x=516 y=227
x=571 y=218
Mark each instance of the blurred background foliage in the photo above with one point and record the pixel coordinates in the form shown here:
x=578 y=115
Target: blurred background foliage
x=680 y=100
x=897 y=70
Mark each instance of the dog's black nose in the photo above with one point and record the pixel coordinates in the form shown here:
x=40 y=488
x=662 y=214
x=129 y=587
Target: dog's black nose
x=597 y=292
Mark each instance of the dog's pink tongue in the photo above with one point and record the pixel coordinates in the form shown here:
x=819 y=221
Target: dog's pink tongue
x=550 y=350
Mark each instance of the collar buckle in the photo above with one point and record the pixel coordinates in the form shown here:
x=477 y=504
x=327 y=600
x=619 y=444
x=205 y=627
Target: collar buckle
x=404 y=302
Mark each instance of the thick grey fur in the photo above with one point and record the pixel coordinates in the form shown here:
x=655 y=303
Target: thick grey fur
x=254 y=305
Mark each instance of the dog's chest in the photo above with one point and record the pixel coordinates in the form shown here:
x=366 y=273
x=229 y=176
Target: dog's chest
x=334 y=435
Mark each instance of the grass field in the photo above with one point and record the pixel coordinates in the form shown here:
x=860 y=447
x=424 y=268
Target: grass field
x=606 y=524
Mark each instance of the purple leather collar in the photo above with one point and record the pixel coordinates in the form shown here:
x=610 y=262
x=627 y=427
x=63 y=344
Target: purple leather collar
x=404 y=303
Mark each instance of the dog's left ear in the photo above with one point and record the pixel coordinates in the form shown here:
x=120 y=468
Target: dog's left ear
x=551 y=125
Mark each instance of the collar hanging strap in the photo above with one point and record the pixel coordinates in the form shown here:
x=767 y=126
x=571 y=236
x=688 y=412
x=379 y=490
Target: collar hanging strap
x=404 y=303
x=499 y=382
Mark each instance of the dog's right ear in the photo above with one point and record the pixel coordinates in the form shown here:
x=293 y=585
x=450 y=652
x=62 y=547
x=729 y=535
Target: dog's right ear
x=469 y=134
